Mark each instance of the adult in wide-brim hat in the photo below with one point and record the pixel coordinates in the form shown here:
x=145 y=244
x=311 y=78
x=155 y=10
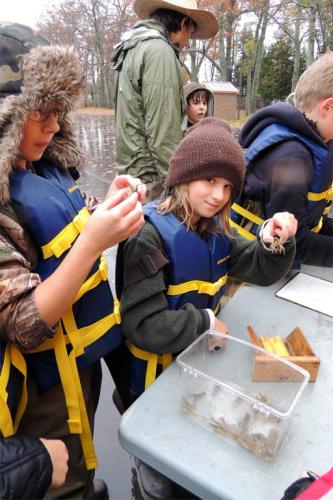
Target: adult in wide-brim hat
x=206 y=22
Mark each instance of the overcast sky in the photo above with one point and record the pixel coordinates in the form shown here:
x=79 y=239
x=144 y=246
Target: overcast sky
x=24 y=11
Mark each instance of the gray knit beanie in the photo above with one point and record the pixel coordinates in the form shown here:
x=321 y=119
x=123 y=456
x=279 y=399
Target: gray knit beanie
x=208 y=150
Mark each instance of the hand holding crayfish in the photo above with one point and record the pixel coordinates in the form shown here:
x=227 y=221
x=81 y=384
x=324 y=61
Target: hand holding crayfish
x=278 y=229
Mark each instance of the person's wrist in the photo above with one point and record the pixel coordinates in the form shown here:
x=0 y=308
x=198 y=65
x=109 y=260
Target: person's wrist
x=262 y=235
x=86 y=244
x=212 y=319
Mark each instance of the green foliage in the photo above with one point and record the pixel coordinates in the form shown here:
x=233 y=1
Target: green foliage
x=277 y=70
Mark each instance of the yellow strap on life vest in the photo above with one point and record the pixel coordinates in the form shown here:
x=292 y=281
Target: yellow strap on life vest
x=6 y=421
x=94 y=280
x=318 y=227
x=249 y=236
x=200 y=286
x=8 y=426
x=327 y=209
x=85 y=434
x=65 y=372
x=248 y=215
x=73 y=188
x=325 y=195
x=87 y=334
x=18 y=361
x=78 y=421
x=152 y=360
x=83 y=337
x=79 y=338
x=63 y=241
x=242 y=231
x=151 y=371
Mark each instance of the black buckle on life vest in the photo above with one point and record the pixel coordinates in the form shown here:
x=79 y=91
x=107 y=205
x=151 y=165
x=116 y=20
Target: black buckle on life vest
x=148 y=266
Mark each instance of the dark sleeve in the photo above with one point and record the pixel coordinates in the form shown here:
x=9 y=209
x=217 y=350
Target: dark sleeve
x=327 y=228
x=252 y=263
x=25 y=468
x=292 y=172
x=146 y=318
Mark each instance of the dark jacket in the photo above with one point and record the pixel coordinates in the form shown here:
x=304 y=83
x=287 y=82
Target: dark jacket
x=147 y=320
x=25 y=468
x=280 y=176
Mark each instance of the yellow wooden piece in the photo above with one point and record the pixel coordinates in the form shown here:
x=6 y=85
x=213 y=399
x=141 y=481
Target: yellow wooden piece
x=279 y=347
x=267 y=344
x=274 y=345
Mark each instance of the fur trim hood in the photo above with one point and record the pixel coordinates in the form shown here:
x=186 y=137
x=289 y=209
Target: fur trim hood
x=51 y=79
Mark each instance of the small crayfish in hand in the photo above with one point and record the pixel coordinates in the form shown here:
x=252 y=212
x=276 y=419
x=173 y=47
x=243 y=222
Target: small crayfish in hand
x=277 y=246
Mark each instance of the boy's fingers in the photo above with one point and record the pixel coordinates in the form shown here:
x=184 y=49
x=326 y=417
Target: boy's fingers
x=128 y=205
x=135 y=215
x=123 y=181
x=115 y=199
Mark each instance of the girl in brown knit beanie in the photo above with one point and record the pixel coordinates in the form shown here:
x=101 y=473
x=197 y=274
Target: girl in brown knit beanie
x=172 y=274
x=174 y=271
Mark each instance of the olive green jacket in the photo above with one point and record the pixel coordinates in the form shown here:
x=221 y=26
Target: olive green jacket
x=149 y=102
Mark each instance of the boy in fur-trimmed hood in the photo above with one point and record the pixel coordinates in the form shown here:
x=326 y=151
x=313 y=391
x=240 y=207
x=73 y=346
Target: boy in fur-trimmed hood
x=55 y=298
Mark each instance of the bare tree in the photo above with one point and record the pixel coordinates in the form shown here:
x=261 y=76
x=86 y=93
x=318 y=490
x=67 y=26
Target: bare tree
x=92 y=27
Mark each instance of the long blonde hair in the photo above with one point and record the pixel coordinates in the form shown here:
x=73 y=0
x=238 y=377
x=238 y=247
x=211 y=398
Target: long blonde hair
x=177 y=203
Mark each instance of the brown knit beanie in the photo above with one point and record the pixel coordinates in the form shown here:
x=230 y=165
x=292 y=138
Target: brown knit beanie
x=208 y=150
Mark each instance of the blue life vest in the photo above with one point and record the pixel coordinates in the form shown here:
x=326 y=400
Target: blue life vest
x=197 y=274
x=320 y=194
x=51 y=208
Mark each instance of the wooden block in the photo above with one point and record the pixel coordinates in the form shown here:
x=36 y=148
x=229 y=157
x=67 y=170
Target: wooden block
x=301 y=353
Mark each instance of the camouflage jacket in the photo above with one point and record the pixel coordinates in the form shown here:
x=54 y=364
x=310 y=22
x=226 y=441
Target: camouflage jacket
x=20 y=320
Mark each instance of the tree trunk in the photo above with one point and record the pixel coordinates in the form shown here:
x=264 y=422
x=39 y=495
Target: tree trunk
x=312 y=33
x=255 y=59
x=229 y=30
x=258 y=58
x=297 y=47
x=222 y=60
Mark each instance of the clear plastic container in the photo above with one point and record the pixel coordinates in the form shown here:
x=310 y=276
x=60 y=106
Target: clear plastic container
x=218 y=390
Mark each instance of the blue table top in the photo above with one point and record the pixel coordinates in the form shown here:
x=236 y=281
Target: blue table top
x=157 y=431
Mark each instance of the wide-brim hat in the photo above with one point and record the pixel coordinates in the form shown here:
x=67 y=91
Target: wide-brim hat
x=207 y=25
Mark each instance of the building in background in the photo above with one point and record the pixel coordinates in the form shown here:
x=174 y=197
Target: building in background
x=225 y=99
